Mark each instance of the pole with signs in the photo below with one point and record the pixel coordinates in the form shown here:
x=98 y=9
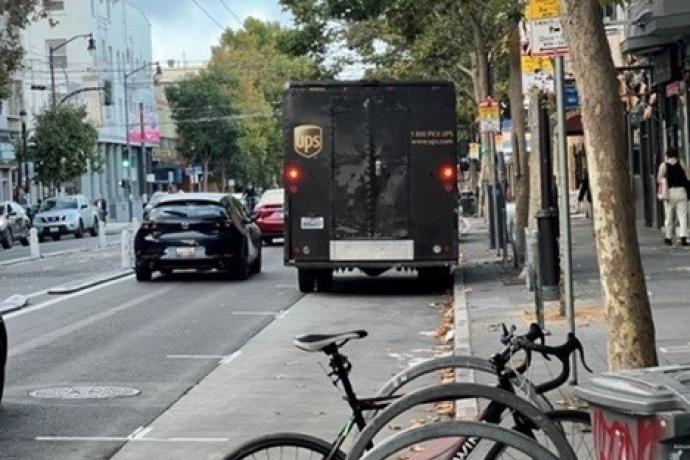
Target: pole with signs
x=490 y=124
x=566 y=244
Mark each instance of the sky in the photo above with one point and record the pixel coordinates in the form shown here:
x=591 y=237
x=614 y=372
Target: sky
x=180 y=28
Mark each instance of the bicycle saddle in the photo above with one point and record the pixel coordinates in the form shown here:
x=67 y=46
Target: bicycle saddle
x=317 y=342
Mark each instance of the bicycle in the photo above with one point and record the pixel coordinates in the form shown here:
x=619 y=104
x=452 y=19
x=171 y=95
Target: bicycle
x=529 y=416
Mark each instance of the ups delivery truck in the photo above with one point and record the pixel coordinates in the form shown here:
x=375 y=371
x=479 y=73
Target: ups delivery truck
x=370 y=179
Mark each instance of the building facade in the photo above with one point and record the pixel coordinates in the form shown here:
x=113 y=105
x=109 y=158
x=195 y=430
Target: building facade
x=121 y=34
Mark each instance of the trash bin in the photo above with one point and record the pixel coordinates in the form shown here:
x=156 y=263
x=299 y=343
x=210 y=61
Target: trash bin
x=641 y=414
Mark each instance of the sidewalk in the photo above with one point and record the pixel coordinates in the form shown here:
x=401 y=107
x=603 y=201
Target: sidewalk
x=270 y=386
x=494 y=294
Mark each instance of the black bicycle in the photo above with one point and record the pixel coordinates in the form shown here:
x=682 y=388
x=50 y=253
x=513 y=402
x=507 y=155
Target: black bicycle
x=529 y=420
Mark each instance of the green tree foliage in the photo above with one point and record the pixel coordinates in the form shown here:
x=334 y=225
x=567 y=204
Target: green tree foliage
x=262 y=58
x=63 y=144
x=205 y=115
x=16 y=14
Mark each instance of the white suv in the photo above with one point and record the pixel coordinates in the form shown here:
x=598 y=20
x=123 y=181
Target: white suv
x=61 y=215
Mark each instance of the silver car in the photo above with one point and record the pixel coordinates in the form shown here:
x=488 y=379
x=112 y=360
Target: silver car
x=14 y=224
x=64 y=215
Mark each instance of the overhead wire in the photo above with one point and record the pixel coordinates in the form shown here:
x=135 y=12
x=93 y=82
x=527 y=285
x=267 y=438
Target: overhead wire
x=232 y=13
x=208 y=15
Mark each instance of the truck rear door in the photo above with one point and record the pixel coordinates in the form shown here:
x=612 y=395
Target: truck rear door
x=370 y=166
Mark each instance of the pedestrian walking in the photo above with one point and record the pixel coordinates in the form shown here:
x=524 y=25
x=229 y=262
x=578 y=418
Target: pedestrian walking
x=673 y=192
x=585 y=192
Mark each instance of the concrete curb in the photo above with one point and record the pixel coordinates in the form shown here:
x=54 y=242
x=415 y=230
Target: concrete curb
x=90 y=282
x=47 y=255
x=466 y=408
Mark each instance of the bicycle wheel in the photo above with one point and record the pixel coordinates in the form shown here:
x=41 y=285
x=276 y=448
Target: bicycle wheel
x=287 y=446
x=455 y=391
x=435 y=441
x=577 y=428
x=521 y=384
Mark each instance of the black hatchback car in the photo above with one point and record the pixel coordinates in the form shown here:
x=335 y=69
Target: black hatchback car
x=200 y=231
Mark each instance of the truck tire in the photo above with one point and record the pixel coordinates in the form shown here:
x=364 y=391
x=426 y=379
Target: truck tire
x=306 y=280
x=324 y=280
x=435 y=279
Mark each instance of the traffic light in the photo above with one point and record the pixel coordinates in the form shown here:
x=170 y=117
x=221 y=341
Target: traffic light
x=108 y=92
x=125 y=159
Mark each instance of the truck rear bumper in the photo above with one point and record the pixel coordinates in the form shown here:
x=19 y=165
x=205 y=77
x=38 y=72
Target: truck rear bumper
x=371 y=264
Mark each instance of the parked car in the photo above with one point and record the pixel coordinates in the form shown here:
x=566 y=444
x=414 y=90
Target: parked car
x=14 y=224
x=62 y=215
x=200 y=231
x=270 y=215
x=3 y=355
x=153 y=201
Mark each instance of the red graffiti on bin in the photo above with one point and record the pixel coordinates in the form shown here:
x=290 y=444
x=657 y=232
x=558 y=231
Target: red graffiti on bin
x=635 y=439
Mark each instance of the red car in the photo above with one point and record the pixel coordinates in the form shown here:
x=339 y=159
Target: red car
x=269 y=215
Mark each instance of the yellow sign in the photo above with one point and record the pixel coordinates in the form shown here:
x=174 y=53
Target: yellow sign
x=488 y=113
x=543 y=9
x=536 y=64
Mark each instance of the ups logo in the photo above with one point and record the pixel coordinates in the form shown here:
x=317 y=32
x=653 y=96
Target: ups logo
x=308 y=140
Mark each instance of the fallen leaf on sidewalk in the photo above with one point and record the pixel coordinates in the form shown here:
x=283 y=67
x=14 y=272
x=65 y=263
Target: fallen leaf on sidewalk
x=394 y=427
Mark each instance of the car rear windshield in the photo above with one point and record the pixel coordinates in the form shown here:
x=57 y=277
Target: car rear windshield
x=272 y=197
x=188 y=210
x=59 y=203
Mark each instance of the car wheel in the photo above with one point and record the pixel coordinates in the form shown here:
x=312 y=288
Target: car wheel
x=56 y=237
x=324 y=280
x=166 y=272
x=256 y=265
x=7 y=240
x=143 y=273
x=24 y=241
x=94 y=229
x=79 y=233
x=306 y=280
x=41 y=238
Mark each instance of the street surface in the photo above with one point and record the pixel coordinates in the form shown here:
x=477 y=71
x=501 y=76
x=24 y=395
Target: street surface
x=158 y=340
x=152 y=337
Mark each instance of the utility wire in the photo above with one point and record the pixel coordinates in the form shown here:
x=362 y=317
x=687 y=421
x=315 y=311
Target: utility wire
x=208 y=15
x=232 y=12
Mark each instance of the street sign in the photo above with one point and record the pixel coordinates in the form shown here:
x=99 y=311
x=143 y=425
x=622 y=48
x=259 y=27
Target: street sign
x=572 y=98
x=536 y=64
x=540 y=9
x=547 y=38
x=489 y=116
x=537 y=72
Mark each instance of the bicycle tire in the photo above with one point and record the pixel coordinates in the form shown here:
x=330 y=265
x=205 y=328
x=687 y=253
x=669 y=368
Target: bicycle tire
x=473 y=363
x=558 y=416
x=454 y=391
x=457 y=429
x=284 y=440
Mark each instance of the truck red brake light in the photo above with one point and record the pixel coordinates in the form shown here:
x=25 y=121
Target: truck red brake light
x=448 y=176
x=447 y=173
x=293 y=174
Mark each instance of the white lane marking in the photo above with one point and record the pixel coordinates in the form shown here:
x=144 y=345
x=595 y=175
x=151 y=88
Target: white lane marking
x=285 y=286
x=230 y=358
x=196 y=356
x=48 y=303
x=37 y=294
x=51 y=336
x=140 y=432
x=124 y=439
x=281 y=314
x=255 y=313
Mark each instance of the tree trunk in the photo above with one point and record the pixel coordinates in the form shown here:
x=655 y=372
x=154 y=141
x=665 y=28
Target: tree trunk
x=631 y=340
x=520 y=159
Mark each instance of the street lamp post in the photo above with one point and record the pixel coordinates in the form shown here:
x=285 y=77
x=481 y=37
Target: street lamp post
x=51 y=60
x=25 y=154
x=127 y=144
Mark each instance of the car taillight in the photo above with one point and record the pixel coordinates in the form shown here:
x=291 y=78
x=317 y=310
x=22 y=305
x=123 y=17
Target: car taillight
x=448 y=176
x=293 y=176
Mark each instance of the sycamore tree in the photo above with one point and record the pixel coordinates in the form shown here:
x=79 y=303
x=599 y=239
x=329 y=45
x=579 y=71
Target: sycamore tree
x=263 y=57
x=63 y=144
x=631 y=336
x=15 y=14
x=207 y=121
